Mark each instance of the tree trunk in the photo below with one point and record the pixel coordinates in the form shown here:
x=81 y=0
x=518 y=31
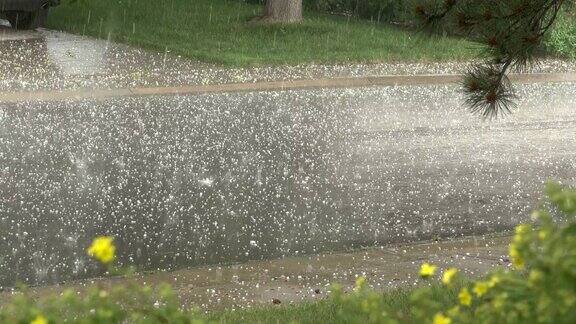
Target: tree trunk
x=283 y=11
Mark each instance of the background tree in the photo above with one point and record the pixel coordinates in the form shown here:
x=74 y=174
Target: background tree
x=511 y=32
x=282 y=11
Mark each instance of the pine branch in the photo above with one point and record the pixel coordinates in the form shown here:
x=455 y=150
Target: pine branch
x=511 y=32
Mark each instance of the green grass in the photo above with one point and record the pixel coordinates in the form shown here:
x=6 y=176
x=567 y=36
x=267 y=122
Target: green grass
x=396 y=302
x=217 y=31
x=319 y=312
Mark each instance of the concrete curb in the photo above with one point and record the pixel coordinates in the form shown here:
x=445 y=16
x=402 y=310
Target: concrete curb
x=347 y=82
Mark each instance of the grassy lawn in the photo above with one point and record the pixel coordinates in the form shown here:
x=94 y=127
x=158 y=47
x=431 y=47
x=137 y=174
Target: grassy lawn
x=320 y=312
x=324 y=311
x=396 y=303
x=218 y=31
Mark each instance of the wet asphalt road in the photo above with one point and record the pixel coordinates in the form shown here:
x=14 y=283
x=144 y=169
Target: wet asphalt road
x=218 y=178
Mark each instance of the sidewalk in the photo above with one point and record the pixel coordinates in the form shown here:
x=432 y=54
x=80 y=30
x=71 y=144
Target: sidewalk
x=350 y=82
x=297 y=279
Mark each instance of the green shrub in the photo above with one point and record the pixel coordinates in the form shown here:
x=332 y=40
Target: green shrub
x=123 y=304
x=126 y=303
x=562 y=39
x=376 y=10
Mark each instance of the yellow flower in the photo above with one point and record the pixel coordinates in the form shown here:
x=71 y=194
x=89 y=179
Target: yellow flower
x=103 y=249
x=480 y=288
x=360 y=283
x=449 y=275
x=39 y=320
x=523 y=229
x=494 y=280
x=517 y=260
x=427 y=270
x=465 y=297
x=441 y=319
x=543 y=234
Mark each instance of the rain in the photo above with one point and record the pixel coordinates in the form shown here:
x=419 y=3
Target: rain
x=244 y=197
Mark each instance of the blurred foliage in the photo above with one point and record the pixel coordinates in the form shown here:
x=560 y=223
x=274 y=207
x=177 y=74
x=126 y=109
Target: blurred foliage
x=129 y=302
x=132 y=303
x=562 y=39
x=539 y=287
x=375 y=10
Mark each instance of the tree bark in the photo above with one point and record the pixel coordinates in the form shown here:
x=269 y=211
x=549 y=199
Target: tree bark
x=283 y=11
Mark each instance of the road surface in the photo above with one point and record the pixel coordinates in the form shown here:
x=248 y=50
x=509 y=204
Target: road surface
x=183 y=180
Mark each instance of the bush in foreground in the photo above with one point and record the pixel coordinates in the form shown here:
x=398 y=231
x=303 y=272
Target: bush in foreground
x=540 y=288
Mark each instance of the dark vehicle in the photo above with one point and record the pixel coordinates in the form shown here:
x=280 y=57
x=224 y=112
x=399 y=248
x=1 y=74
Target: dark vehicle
x=26 y=14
